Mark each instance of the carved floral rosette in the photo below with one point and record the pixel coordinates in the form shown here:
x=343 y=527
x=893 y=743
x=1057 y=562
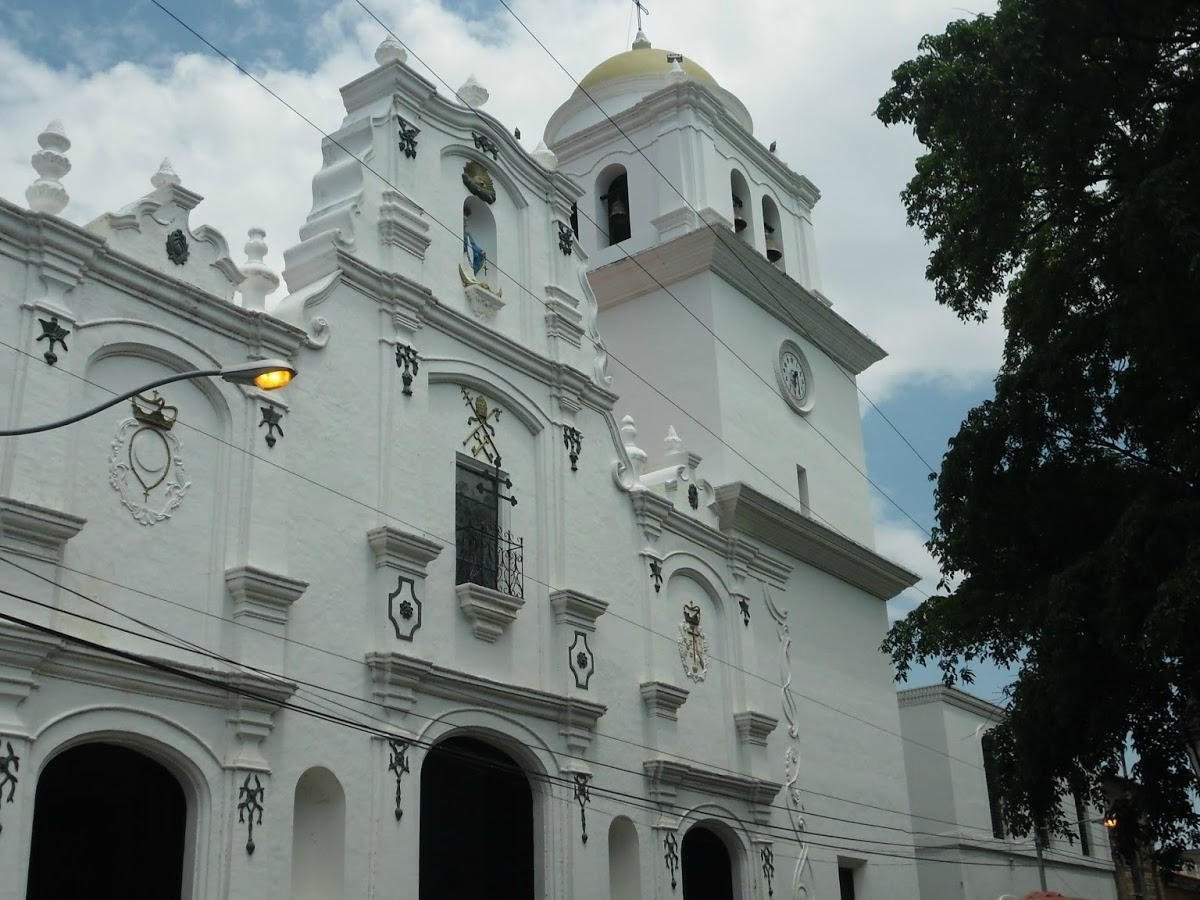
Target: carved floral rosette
x=146 y=470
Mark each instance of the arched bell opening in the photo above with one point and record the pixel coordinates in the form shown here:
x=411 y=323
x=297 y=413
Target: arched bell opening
x=612 y=193
x=480 y=241
x=477 y=824
x=108 y=821
x=706 y=864
x=743 y=206
x=772 y=232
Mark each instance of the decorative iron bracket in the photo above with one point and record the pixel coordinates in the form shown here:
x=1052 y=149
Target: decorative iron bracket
x=656 y=574
x=408 y=136
x=744 y=605
x=768 y=867
x=671 y=856
x=250 y=801
x=582 y=797
x=573 y=441
x=55 y=334
x=271 y=417
x=565 y=238
x=9 y=764
x=398 y=765
x=407 y=360
x=486 y=144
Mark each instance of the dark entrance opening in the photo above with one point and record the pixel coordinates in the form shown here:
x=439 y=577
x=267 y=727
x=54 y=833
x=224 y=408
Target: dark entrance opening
x=476 y=824
x=107 y=822
x=707 y=869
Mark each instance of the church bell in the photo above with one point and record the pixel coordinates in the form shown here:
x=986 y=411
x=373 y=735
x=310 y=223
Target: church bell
x=739 y=218
x=774 y=251
x=617 y=199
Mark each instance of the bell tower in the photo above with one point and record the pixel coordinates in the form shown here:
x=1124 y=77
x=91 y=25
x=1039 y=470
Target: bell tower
x=703 y=260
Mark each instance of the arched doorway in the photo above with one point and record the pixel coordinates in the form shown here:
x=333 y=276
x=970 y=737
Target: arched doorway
x=476 y=824
x=707 y=868
x=107 y=822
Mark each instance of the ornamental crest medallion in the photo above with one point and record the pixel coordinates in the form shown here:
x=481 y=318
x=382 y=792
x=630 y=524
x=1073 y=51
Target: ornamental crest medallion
x=404 y=609
x=145 y=467
x=478 y=181
x=693 y=645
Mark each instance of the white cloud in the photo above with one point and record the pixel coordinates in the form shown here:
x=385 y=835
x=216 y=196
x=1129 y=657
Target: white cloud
x=809 y=73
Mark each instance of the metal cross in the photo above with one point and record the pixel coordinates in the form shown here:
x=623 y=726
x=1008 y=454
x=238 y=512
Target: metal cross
x=640 y=9
x=398 y=764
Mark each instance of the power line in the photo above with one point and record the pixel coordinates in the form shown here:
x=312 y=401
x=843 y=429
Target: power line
x=807 y=420
x=701 y=218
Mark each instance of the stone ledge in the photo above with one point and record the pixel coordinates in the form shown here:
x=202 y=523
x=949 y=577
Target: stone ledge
x=36 y=531
x=489 y=611
x=576 y=609
x=663 y=700
x=402 y=550
x=263 y=595
x=754 y=727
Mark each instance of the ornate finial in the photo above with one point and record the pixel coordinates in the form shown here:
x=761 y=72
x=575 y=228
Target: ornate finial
x=675 y=72
x=545 y=157
x=165 y=175
x=672 y=441
x=46 y=194
x=391 y=50
x=637 y=456
x=472 y=93
x=259 y=280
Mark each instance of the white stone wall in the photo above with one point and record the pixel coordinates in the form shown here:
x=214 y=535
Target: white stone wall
x=282 y=557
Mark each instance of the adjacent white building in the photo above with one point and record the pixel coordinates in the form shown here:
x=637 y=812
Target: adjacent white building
x=963 y=849
x=537 y=581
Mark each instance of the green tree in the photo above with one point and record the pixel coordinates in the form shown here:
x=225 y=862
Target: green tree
x=1061 y=178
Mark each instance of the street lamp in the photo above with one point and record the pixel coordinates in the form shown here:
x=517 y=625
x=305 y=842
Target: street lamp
x=266 y=374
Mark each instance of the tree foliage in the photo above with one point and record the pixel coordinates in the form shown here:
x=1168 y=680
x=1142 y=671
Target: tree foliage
x=1061 y=176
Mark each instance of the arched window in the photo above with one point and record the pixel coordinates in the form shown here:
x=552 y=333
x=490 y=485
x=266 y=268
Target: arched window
x=318 y=837
x=772 y=232
x=706 y=865
x=476 y=824
x=480 y=245
x=743 y=207
x=624 y=866
x=612 y=212
x=107 y=822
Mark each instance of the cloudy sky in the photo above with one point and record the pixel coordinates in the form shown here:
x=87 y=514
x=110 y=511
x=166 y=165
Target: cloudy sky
x=131 y=86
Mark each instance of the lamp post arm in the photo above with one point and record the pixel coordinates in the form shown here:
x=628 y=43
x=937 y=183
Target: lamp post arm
x=180 y=376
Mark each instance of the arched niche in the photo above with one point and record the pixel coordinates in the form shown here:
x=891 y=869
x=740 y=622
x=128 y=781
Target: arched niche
x=477 y=831
x=710 y=862
x=613 y=215
x=743 y=207
x=773 y=233
x=108 y=821
x=479 y=228
x=318 y=837
x=624 y=863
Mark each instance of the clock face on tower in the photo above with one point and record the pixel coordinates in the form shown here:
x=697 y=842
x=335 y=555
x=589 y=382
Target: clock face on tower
x=795 y=377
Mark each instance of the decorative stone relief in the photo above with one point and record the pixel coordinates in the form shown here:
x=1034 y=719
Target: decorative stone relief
x=582 y=797
x=573 y=441
x=55 y=334
x=484 y=301
x=693 y=645
x=147 y=460
x=408 y=362
x=9 y=764
x=271 y=417
x=478 y=181
x=581 y=660
x=398 y=766
x=404 y=609
x=177 y=247
x=250 y=802
x=47 y=195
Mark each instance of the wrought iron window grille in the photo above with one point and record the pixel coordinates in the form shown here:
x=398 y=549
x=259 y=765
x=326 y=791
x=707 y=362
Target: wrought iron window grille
x=490 y=558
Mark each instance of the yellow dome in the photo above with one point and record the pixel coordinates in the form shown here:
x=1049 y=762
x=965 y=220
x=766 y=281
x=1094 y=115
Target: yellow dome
x=642 y=61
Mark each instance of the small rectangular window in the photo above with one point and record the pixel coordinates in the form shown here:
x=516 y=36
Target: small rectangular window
x=1085 y=836
x=846 y=882
x=995 y=805
x=802 y=488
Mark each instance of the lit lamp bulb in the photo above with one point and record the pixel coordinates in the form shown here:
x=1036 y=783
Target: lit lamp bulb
x=1110 y=821
x=273 y=380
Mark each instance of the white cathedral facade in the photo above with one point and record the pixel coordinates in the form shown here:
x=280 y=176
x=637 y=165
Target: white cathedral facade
x=550 y=575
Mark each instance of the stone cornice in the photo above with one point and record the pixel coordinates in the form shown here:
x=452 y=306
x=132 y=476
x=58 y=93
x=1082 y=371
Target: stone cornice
x=36 y=531
x=24 y=235
x=662 y=699
x=391 y=671
x=259 y=594
x=747 y=511
x=576 y=609
x=489 y=611
x=674 y=776
x=397 y=549
x=742 y=557
x=700 y=98
x=754 y=727
x=744 y=269
x=940 y=693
